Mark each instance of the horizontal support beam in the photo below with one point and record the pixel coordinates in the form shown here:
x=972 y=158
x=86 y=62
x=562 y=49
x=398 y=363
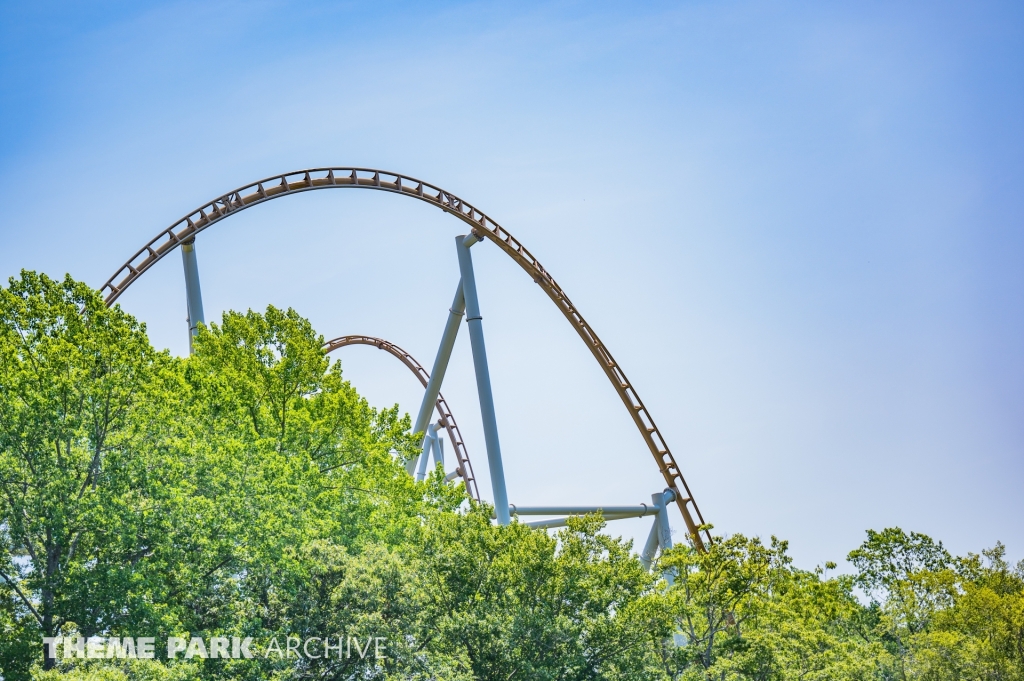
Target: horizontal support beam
x=607 y=512
x=562 y=522
x=642 y=509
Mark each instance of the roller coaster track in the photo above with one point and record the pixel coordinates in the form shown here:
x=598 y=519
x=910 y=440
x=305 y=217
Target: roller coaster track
x=447 y=420
x=185 y=229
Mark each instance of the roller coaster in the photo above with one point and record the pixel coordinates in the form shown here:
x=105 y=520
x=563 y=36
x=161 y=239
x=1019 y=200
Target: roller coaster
x=464 y=469
x=182 y=233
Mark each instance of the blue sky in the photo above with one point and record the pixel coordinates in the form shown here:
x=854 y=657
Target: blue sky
x=798 y=226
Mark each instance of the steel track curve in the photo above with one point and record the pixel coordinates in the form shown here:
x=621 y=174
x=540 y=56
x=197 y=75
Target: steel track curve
x=447 y=420
x=278 y=186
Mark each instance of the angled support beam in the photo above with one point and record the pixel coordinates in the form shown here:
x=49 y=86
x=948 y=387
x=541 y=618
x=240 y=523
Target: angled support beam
x=193 y=293
x=444 y=353
x=483 y=380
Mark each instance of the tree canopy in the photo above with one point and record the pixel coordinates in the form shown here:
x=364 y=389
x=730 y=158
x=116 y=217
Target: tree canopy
x=247 y=494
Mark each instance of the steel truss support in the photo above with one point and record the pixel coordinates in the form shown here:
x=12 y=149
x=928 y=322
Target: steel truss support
x=483 y=377
x=193 y=292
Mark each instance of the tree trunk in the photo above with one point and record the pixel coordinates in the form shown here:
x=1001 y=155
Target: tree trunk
x=52 y=566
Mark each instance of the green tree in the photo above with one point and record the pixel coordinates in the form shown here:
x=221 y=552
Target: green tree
x=248 y=490
x=939 y=617
x=305 y=483
x=714 y=595
x=745 y=612
x=75 y=377
x=520 y=604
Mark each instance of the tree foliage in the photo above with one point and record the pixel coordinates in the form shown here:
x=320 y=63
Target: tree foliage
x=248 y=491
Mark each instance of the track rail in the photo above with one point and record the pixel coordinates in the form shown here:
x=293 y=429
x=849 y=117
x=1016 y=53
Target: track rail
x=447 y=420
x=367 y=178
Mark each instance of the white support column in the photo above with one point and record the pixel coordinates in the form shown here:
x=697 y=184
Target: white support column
x=483 y=380
x=193 y=292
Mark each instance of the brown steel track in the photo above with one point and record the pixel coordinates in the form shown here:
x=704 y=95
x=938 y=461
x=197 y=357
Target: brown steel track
x=367 y=178
x=447 y=420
